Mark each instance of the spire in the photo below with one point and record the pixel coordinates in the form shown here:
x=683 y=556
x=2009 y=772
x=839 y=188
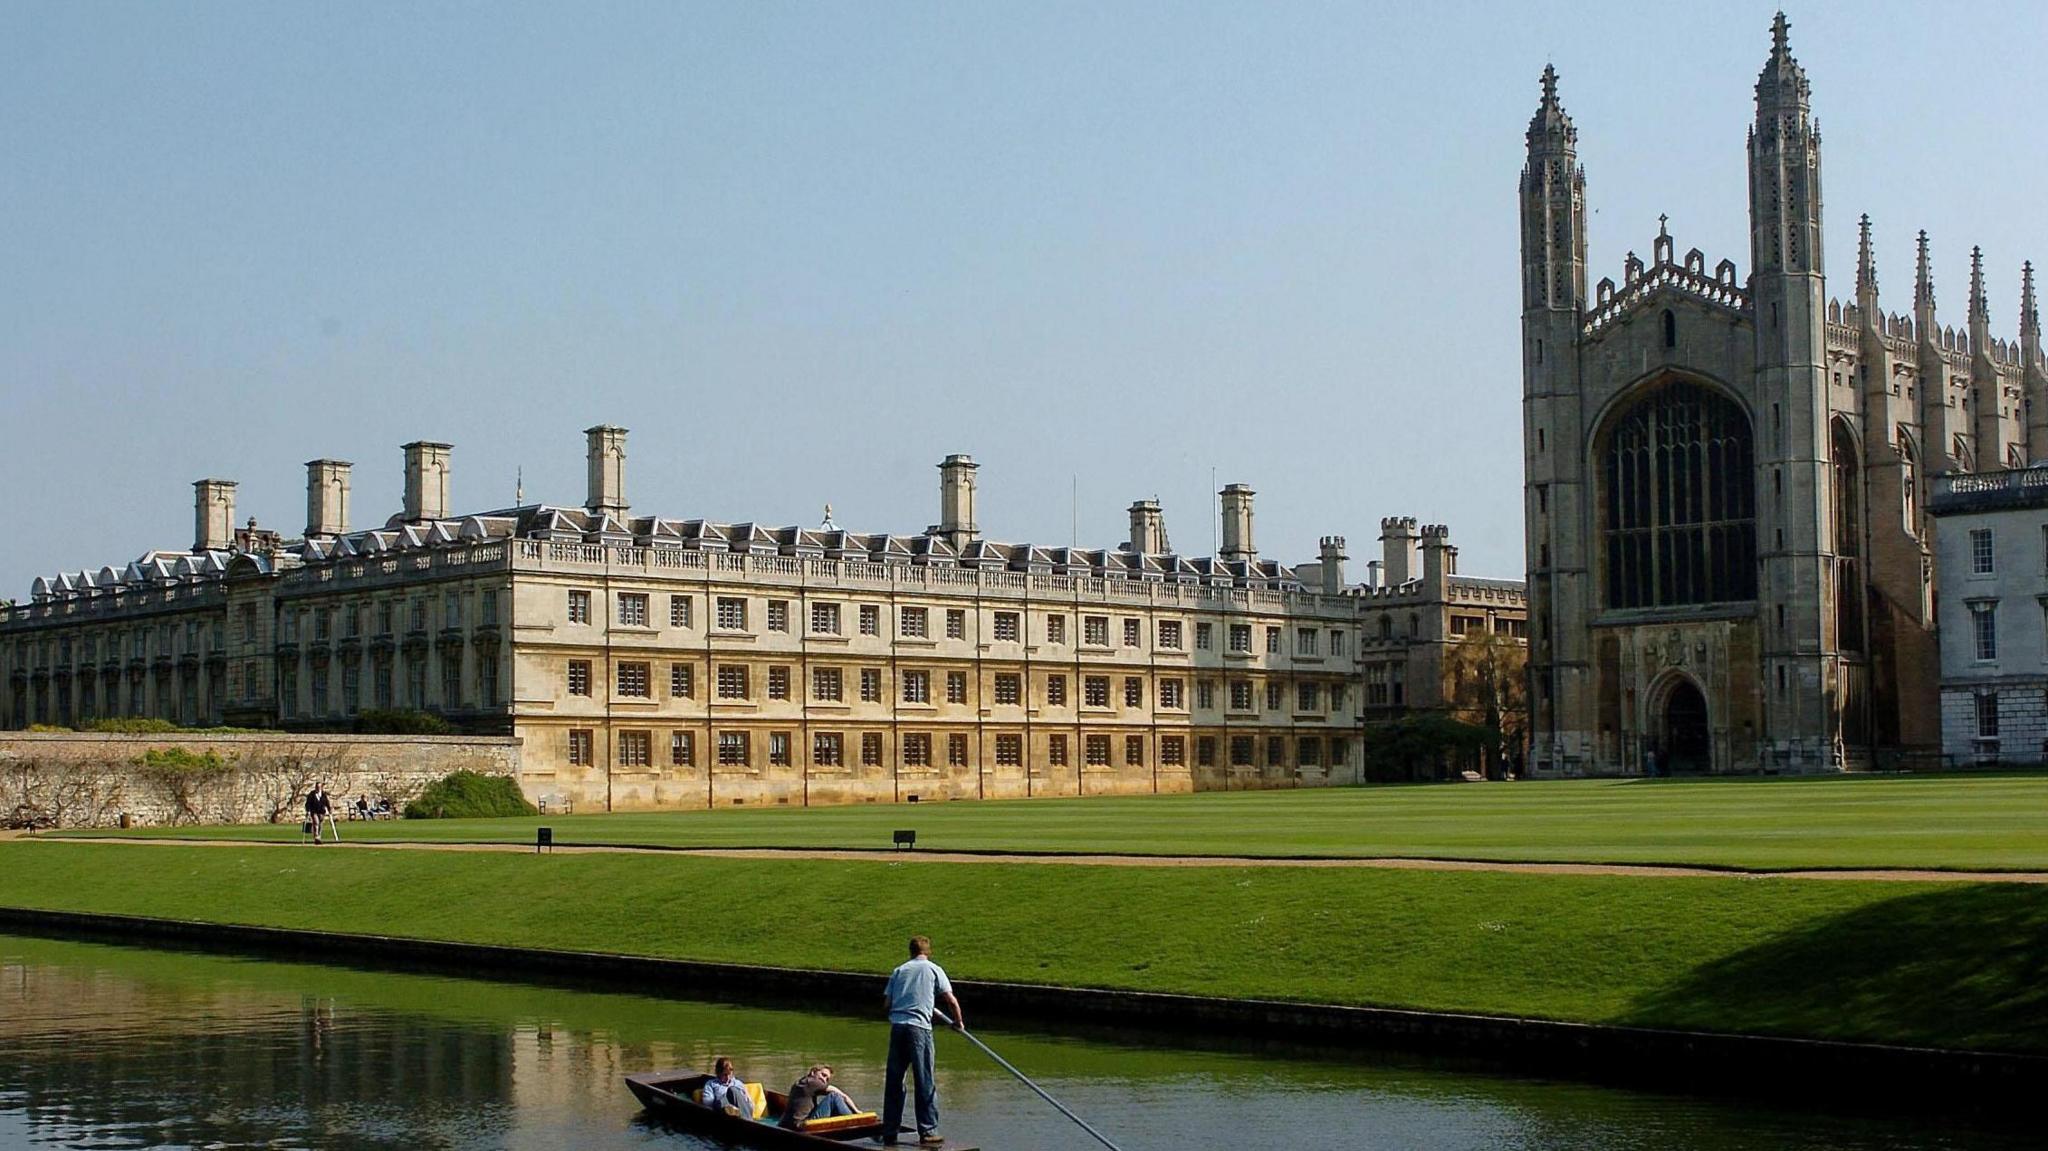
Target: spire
x=1923 y=291
x=1866 y=264
x=1550 y=129
x=1980 y=308
x=1782 y=85
x=2030 y=316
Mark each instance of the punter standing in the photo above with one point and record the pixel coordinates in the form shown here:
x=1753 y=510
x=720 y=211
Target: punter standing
x=913 y=990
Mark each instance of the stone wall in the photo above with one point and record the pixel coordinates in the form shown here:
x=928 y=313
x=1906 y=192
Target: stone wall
x=92 y=780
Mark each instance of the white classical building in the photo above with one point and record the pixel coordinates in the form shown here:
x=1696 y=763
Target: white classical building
x=1991 y=564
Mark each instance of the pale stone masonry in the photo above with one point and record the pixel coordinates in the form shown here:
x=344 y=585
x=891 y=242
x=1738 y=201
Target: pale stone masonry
x=1991 y=563
x=647 y=662
x=1728 y=550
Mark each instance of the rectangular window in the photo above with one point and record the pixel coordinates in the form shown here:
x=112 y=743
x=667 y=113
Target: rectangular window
x=451 y=680
x=1009 y=750
x=824 y=619
x=682 y=681
x=321 y=625
x=1273 y=701
x=581 y=747
x=679 y=611
x=732 y=681
x=632 y=609
x=319 y=689
x=352 y=685
x=917 y=750
x=1134 y=634
x=1987 y=715
x=1205 y=637
x=871 y=749
x=1134 y=751
x=1134 y=691
x=487 y=607
x=1170 y=694
x=778 y=615
x=870 y=619
x=416 y=683
x=956 y=687
x=1169 y=634
x=381 y=681
x=732 y=613
x=1272 y=641
x=1056 y=691
x=1056 y=629
x=1095 y=630
x=912 y=622
x=1173 y=751
x=1336 y=642
x=579 y=609
x=1308 y=697
x=1240 y=695
x=1241 y=751
x=1097 y=749
x=871 y=685
x=1009 y=688
x=778 y=683
x=956 y=751
x=418 y=610
x=1056 y=750
x=1980 y=551
x=1240 y=637
x=682 y=749
x=1984 y=626
x=956 y=624
x=579 y=677
x=1340 y=752
x=733 y=750
x=635 y=749
x=917 y=687
x=1376 y=685
x=826 y=685
x=1305 y=641
x=1205 y=751
x=1007 y=625
x=1276 y=750
x=1309 y=751
x=635 y=681
x=828 y=749
x=1205 y=694
x=1095 y=691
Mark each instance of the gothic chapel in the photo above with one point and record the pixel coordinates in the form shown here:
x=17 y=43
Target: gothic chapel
x=1728 y=551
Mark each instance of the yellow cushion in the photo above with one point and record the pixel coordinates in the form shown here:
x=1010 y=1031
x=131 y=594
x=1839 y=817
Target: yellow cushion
x=841 y=1122
x=760 y=1099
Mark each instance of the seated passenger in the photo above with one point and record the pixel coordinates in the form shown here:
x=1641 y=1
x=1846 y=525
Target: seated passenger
x=724 y=1092
x=814 y=1097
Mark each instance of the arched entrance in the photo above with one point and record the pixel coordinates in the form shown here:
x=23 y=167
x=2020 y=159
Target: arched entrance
x=1688 y=746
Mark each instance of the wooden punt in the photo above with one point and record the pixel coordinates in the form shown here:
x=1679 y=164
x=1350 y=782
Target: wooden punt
x=672 y=1096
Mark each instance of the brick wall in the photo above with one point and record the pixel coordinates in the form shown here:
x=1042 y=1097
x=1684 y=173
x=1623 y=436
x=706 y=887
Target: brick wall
x=91 y=780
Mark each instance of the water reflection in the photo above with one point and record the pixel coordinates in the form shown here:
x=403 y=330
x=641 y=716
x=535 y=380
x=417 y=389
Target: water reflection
x=110 y=1047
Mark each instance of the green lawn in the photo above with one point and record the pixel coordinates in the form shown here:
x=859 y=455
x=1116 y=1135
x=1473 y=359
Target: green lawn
x=1955 y=822
x=1944 y=964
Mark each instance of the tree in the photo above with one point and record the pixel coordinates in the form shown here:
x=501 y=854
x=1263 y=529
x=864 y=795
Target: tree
x=1487 y=689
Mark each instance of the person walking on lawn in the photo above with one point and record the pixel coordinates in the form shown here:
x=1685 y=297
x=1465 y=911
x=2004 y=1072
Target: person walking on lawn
x=913 y=991
x=319 y=807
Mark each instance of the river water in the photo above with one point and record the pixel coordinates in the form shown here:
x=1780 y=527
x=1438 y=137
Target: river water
x=116 y=1047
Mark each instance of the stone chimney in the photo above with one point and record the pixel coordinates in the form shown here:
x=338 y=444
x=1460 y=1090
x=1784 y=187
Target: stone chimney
x=1237 y=523
x=327 y=485
x=213 y=515
x=1148 y=528
x=606 y=453
x=426 y=480
x=956 y=501
x=1373 y=573
x=1439 y=558
x=1397 y=548
x=1333 y=557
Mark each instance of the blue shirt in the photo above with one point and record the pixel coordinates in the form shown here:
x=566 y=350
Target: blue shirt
x=912 y=988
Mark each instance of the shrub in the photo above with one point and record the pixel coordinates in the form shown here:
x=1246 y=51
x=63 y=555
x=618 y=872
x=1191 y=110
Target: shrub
x=468 y=795
x=401 y=721
x=130 y=725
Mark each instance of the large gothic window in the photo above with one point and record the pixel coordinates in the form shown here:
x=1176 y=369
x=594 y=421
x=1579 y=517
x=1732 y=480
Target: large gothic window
x=1679 y=479
x=1846 y=473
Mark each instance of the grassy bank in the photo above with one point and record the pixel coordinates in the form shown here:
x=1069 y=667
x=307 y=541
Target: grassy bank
x=1942 y=964
x=1958 y=822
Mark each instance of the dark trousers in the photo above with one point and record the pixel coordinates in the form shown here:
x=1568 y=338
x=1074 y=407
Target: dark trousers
x=910 y=1049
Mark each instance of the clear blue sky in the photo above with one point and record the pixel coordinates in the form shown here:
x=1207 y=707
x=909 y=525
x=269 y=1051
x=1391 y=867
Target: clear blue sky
x=804 y=251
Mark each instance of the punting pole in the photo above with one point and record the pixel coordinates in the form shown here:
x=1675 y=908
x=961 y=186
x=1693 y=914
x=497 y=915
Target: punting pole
x=1026 y=1081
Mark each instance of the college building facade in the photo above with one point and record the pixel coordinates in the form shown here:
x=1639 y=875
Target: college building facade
x=648 y=662
x=1730 y=556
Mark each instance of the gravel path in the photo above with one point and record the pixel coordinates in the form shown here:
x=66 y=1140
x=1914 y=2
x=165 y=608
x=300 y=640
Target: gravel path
x=1891 y=875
